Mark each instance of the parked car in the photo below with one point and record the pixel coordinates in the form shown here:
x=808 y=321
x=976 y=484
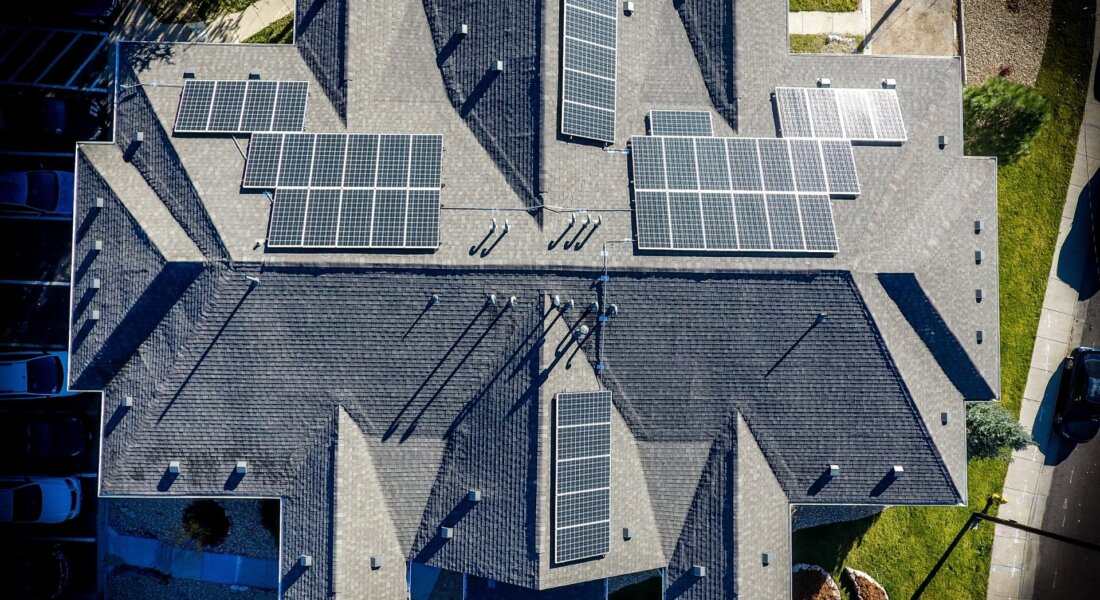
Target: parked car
x=36 y=123
x=26 y=375
x=1077 y=412
x=42 y=192
x=94 y=11
x=35 y=570
x=39 y=499
x=44 y=442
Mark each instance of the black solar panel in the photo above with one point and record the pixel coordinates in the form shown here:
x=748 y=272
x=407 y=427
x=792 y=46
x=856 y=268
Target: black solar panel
x=589 y=55
x=241 y=106
x=680 y=122
x=582 y=483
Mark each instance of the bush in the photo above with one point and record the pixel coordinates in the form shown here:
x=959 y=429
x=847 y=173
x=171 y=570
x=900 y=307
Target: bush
x=205 y=522
x=1001 y=118
x=992 y=431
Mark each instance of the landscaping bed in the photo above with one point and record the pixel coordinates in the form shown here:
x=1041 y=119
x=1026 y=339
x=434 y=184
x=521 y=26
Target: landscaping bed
x=1031 y=193
x=162 y=519
x=820 y=44
x=824 y=5
x=190 y=11
x=280 y=31
x=1005 y=37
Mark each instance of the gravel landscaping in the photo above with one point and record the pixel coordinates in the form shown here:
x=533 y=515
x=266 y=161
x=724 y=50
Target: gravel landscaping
x=162 y=518
x=125 y=583
x=1005 y=37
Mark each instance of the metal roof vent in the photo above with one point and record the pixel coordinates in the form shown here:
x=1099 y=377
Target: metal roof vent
x=498 y=66
x=628 y=534
x=942 y=141
x=766 y=559
x=433 y=300
x=981 y=336
x=491 y=300
x=898 y=471
x=188 y=74
x=978 y=295
x=95 y=315
x=446 y=532
x=555 y=301
x=139 y=137
x=376 y=562
x=512 y=302
x=834 y=470
x=127 y=401
x=889 y=84
x=943 y=418
x=305 y=560
x=978 y=256
x=824 y=82
x=99 y=202
x=698 y=570
x=628 y=8
x=568 y=305
x=253 y=74
x=462 y=29
x=97 y=245
x=473 y=495
x=174 y=467
x=242 y=467
x=612 y=310
x=977 y=227
x=594 y=306
x=580 y=332
x=96 y=283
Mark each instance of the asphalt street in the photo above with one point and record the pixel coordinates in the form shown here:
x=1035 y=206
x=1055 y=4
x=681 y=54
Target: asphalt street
x=1064 y=571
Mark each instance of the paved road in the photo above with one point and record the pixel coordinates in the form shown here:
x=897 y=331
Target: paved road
x=1066 y=572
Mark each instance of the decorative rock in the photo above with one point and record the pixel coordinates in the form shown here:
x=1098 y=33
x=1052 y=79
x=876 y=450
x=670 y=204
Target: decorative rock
x=864 y=586
x=811 y=582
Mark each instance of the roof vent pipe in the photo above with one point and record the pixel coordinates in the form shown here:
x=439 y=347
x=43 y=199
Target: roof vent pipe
x=376 y=562
x=942 y=141
x=95 y=315
x=834 y=470
x=507 y=226
x=698 y=571
x=555 y=301
x=494 y=225
x=568 y=305
x=580 y=332
x=473 y=495
x=462 y=30
x=981 y=336
x=305 y=560
x=97 y=245
x=254 y=75
x=978 y=256
x=174 y=467
x=127 y=401
x=139 y=137
x=889 y=84
x=446 y=532
x=433 y=300
x=824 y=82
x=612 y=310
x=594 y=306
x=977 y=227
x=96 y=283
x=241 y=468
x=898 y=471
x=512 y=302
x=188 y=74
x=99 y=202
x=978 y=295
x=498 y=66
x=491 y=300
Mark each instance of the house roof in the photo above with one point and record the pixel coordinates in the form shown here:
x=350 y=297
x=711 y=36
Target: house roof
x=373 y=411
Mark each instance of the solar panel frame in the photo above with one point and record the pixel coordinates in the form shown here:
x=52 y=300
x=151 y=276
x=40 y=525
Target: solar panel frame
x=379 y=191
x=671 y=212
x=582 y=475
x=589 y=70
x=794 y=112
x=855 y=114
x=241 y=106
x=695 y=123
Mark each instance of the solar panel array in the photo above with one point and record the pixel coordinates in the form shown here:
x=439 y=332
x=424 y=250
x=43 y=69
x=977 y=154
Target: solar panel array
x=229 y=106
x=589 y=56
x=680 y=122
x=582 y=486
x=739 y=194
x=858 y=115
x=349 y=190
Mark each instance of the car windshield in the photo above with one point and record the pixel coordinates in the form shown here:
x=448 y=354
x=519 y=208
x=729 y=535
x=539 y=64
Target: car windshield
x=28 y=503
x=42 y=190
x=44 y=375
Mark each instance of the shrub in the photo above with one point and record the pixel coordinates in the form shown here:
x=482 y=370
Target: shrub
x=1001 y=118
x=205 y=522
x=992 y=431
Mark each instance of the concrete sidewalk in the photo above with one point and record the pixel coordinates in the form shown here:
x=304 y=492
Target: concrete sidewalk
x=192 y=564
x=816 y=22
x=137 y=23
x=1027 y=484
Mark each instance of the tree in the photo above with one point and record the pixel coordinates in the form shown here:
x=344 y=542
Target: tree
x=1001 y=118
x=991 y=431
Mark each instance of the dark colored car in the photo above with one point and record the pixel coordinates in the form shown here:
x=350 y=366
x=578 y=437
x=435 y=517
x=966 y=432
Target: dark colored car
x=34 y=123
x=34 y=571
x=1077 y=413
x=43 y=443
x=42 y=192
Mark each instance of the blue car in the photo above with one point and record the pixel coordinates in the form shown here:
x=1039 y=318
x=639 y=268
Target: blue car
x=41 y=192
x=26 y=375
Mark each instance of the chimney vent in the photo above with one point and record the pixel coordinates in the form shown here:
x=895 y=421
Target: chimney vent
x=628 y=534
x=628 y=8
x=766 y=559
x=99 y=202
x=376 y=562
x=981 y=336
x=242 y=467
x=139 y=137
x=128 y=401
x=898 y=471
x=446 y=532
x=889 y=84
x=943 y=418
x=174 y=467
x=254 y=75
x=834 y=470
x=462 y=30
x=555 y=301
x=491 y=300
x=473 y=495
x=97 y=245
x=95 y=315
x=978 y=295
x=824 y=82
x=977 y=227
x=978 y=256
x=699 y=571
x=512 y=301
x=96 y=283
x=188 y=74
x=498 y=66
x=305 y=560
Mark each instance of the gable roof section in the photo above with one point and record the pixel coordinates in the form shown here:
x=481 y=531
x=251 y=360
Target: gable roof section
x=320 y=34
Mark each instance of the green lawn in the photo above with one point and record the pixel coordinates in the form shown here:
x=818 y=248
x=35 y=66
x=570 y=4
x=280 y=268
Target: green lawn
x=824 y=5
x=811 y=43
x=900 y=546
x=280 y=31
x=188 y=11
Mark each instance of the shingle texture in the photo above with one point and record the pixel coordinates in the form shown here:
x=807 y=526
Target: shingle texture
x=710 y=29
x=320 y=34
x=502 y=109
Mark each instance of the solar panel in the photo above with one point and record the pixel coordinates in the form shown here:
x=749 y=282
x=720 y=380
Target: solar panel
x=680 y=122
x=349 y=190
x=738 y=194
x=582 y=482
x=241 y=106
x=589 y=69
x=858 y=115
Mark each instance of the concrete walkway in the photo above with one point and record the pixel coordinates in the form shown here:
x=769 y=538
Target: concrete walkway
x=816 y=22
x=136 y=22
x=1027 y=484
x=192 y=564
